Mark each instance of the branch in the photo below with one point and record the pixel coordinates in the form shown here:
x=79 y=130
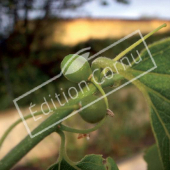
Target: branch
x=28 y=143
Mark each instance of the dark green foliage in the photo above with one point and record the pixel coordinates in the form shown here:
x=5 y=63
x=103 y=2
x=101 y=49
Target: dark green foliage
x=89 y=162
x=152 y=158
x=157 y=86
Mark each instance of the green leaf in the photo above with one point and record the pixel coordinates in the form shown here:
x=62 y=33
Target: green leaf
x=156 y=85
x=89 y=162
x=152 y=158
x=63 y=165
x=110 y=164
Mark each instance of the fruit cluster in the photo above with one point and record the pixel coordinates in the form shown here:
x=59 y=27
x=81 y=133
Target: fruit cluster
x=76 y=69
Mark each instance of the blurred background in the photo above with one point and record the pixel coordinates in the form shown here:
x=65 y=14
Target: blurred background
x=35 y=35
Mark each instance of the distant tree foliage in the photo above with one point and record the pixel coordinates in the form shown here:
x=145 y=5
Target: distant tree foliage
x=13 y=10
x=22 y=51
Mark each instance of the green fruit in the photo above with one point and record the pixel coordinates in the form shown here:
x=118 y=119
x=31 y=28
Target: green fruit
x=76 y=68
x=95 y=112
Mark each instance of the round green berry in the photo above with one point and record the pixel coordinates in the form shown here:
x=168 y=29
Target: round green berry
x=76 y=68
x=95 y=112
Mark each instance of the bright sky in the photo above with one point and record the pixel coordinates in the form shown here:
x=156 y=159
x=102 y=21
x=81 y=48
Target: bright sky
x=136 y=9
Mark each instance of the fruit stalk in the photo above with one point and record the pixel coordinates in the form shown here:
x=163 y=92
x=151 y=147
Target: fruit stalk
x=138 y=42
